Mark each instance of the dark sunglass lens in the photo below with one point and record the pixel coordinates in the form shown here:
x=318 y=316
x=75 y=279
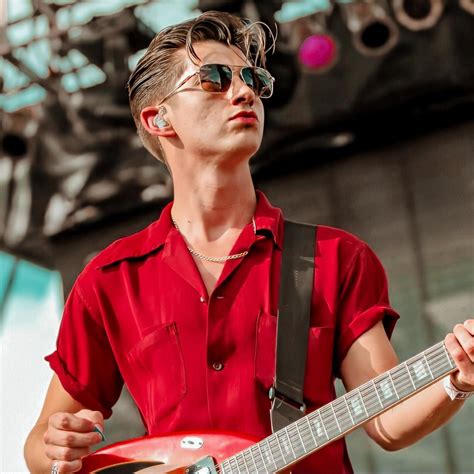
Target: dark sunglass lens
x=215 y=77
x=257 y=79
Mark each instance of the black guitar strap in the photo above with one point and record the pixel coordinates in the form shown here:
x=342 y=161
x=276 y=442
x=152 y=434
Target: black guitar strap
x=296 y=286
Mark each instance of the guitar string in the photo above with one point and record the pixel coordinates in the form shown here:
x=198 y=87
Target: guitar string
x=279 y=457
x=241 y=460
x=330 y=426
x=372 y=402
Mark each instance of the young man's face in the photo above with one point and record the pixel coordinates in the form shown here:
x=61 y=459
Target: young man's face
x=204 y=121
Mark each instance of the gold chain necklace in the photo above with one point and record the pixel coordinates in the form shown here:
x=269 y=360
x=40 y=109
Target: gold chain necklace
x=217 y=259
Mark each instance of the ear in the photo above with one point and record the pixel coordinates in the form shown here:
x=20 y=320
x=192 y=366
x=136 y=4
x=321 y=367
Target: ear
x=147 y=118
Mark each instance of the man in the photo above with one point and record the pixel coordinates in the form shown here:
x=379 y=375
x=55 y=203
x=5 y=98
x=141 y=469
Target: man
x=184 y=311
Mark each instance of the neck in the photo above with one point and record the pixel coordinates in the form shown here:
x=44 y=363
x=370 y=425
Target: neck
x=213 y=202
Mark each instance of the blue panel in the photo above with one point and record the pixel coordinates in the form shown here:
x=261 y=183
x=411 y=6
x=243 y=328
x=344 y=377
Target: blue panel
x=6 y=266
x=291 y=10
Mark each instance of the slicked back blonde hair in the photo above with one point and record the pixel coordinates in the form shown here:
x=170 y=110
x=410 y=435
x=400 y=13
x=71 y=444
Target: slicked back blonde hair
x=158 y=70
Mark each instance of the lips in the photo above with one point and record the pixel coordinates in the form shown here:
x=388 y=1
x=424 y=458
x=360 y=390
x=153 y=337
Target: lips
x=245 y=114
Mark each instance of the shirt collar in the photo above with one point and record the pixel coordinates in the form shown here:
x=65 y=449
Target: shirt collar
x=268 y=221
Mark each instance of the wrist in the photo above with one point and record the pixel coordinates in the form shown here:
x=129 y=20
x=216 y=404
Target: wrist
x=453 y=391
x=458 y=384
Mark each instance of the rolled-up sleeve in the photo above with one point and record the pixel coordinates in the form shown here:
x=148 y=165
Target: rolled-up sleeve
x=83 y=359
x=363 y=302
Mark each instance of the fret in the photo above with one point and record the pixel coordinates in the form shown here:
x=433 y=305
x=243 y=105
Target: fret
x=335 y=417
x=223 y=466
x=311 y=431
x=428 y=365
x=286 y=441
x=355 y=406
x=343 y=414
x=301 y=438
x=393 y=385
x=451 y=364
x=269 y=453
x=369 y=400
x=322 y=424
x=263 y=458
x=385 y=389
x=249 y=453
x=363 y=404
x=319 y=427
x=236 y=465
x=349 y=410
x=296 y=441
x=411 y=378
x=277 y=451
x=420 y=374
x=240 y=457
x=377 y=393
x=438 y=363
x=402 y=379
x=281 y=450
x=329 y=421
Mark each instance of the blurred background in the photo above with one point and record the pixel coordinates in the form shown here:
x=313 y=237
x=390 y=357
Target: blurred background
x=370 y=129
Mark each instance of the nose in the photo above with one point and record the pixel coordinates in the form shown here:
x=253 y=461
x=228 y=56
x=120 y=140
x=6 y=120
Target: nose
x=240 y=91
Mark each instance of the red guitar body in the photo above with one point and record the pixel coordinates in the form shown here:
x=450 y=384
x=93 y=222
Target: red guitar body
x=174 y=452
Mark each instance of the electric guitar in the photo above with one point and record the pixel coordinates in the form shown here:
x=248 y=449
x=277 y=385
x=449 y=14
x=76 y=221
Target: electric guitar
x=225 y=453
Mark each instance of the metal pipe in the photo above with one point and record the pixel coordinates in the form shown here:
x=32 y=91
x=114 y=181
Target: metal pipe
x=418 y=15
x=374 y=33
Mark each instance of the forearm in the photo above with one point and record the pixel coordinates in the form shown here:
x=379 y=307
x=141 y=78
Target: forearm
x=411 y=420
x=34 y=451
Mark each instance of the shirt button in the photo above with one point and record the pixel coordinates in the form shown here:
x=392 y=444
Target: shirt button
x=217 y=366
x=202 y=299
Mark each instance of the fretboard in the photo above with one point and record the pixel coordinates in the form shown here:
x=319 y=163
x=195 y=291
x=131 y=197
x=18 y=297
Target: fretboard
x=334 y=420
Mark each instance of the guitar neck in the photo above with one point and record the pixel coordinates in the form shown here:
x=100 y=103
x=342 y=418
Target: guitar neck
x=334 y=420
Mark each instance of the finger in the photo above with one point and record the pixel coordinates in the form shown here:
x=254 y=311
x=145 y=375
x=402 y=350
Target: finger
x=64 y=466
x=96 y=417
x=62 y=453
x=465 y=339
x=469 y=325
x=70 y=422
x=71 y=439
x=465 y=376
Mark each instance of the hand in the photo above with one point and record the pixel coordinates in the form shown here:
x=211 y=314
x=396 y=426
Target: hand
x=69 y=438
x=460 y=344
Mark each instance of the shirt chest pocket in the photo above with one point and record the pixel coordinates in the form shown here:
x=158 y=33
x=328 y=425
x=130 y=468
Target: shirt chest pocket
x=318 y=386
x=158 y=373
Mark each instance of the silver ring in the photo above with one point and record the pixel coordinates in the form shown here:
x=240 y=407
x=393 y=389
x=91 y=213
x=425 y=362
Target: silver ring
x=55 y=468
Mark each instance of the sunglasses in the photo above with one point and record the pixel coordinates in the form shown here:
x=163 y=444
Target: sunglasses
x=217 y=78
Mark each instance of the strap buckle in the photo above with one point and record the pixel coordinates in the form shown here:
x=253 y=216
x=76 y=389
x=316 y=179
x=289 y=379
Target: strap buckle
x=283 y=410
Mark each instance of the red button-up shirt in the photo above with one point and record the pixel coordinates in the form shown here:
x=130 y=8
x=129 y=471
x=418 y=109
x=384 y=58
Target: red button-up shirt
x=139 y=313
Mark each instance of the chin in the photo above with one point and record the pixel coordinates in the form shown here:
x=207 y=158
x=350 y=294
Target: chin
x=249 y=144
x=246 y=152
x=241 y=147
x=239 y=155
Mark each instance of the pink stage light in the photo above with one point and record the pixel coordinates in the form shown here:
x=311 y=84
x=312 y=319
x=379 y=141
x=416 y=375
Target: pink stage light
x=318 y=52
